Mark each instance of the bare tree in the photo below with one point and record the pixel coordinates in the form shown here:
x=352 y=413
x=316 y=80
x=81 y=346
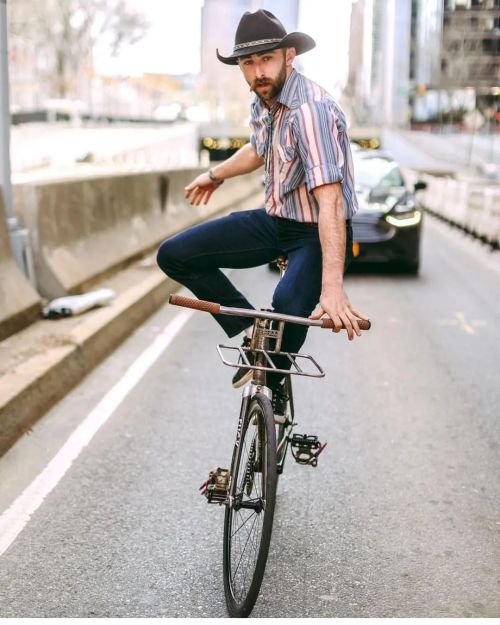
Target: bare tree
x=64 y=32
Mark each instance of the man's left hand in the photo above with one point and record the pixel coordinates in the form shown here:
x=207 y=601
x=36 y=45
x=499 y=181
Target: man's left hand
x=335 y=304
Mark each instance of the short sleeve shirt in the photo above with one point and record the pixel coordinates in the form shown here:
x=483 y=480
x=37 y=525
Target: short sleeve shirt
x=303 y=141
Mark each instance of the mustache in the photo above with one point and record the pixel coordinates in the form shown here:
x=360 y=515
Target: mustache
x=260 y=82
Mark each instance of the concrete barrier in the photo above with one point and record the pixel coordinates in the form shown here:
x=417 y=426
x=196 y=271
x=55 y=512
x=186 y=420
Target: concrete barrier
x=82 y=229
x=469 y=205
x=19 y=302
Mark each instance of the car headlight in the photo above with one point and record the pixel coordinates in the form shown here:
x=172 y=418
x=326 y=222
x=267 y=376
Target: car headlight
x=404 y=220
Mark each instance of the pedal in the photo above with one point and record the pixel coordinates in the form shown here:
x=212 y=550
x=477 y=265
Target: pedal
x=216 y=487
x=306 y=449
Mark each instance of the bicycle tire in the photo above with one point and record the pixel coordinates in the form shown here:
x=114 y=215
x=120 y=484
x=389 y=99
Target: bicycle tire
x=242 y=590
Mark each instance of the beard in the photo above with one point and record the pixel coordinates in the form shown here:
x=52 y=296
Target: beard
x=267 y=88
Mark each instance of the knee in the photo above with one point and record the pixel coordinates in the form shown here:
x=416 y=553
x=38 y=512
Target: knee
x=168 y=257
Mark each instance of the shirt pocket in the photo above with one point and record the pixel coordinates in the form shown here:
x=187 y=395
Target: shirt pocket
x=288 y=162
x=286 y=152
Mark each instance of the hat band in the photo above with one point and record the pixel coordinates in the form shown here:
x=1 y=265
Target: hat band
x=250 y=44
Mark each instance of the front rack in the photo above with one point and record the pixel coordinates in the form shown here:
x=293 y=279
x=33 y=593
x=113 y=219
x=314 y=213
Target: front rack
x=313 y=370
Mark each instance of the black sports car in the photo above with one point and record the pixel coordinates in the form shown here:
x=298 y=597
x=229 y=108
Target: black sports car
x=387 y=226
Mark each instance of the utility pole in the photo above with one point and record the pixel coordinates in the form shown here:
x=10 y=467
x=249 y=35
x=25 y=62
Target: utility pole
x=5 y=179
x=19 y=236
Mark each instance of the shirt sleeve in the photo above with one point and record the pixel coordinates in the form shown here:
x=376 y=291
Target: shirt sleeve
x=317 y=133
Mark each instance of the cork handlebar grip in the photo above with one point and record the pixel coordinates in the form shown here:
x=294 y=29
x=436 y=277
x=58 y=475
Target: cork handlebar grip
x=363 y=325
x=197 y=304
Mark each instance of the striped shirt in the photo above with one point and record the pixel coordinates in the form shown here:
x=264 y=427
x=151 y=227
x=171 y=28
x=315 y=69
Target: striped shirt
x=304 y=144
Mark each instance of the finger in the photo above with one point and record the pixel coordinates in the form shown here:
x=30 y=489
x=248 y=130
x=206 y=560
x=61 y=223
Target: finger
x=208 y=193
x=354 y=322
x=195 y=199
x=337 y=323
x=200 y=197
x=355 y=326
x=347 y=325
x=195 y=193
x=318 y=314
x=189 y=190
x=358 y=314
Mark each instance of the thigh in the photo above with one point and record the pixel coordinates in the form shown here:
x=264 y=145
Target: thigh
x=241 y=239
x=299 y=290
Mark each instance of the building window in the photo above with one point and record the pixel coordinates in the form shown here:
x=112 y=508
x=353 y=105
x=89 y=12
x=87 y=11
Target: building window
x=491 y=46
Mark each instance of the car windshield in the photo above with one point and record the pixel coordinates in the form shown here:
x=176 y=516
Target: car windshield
x=377 y=172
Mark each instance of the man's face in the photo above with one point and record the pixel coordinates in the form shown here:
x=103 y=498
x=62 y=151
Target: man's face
x=267 y=72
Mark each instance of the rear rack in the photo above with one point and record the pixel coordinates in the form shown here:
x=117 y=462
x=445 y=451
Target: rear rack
x=312 y=370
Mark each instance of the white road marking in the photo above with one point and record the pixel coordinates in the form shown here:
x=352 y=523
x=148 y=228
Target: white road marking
x=16 y=517
x=461 y=322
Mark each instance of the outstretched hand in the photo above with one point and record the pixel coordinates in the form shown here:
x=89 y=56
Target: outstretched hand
x=335 y=304
x=199 y=191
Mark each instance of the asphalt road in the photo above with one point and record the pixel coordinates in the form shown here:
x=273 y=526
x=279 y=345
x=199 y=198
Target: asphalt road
x=400 y=519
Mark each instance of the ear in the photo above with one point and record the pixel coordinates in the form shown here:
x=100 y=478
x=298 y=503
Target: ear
x=290 y=56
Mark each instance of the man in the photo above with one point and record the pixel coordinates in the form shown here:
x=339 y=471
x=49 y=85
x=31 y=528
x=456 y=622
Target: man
x=299 y=135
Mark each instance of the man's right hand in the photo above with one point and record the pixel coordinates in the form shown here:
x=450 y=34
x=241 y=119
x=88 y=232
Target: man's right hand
x=199 y=191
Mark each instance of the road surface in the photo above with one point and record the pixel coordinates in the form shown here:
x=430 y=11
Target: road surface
x=400 y=519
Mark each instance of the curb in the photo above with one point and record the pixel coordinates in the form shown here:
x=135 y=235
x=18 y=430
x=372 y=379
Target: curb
x=47 y=377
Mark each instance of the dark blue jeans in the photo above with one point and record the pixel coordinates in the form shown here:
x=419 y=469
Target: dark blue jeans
x=247 y=239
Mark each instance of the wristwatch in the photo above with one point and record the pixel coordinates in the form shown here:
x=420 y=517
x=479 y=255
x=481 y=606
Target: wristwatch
x=213 y=177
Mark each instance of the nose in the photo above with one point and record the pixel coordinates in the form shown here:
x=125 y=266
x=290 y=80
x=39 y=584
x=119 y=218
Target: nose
x=259 y=70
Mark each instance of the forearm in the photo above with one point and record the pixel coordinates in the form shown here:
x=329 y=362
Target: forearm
x=244 y=161
x=332 y=234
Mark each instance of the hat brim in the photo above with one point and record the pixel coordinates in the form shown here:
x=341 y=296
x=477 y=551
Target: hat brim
x=300 y=41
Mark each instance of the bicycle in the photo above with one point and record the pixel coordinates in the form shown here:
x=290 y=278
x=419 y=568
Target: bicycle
x=248 y=488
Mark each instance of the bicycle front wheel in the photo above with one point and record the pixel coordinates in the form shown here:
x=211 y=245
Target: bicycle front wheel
x=248 y=521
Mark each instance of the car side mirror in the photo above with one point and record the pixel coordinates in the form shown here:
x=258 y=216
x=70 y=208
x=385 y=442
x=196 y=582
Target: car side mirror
x=420 y=185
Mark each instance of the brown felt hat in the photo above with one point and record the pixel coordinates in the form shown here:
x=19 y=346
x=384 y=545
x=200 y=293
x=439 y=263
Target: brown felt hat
x=261 y=31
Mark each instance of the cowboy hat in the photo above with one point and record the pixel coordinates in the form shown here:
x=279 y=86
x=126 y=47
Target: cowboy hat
x=262 y=31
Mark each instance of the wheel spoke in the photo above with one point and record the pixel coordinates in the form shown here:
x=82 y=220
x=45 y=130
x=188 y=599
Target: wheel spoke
x=243 y=524
x=245 y=546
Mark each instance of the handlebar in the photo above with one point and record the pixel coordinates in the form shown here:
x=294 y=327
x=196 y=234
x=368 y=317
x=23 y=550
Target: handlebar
x=217 y=309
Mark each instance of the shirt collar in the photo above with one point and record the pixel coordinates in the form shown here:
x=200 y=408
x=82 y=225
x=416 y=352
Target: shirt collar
x=287 y=94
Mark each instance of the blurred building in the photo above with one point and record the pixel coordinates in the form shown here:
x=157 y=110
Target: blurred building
x=379 y=61
x=471 y=44
x=223 y=86
x=360 y=54
x=458 y=47
x=424 y=60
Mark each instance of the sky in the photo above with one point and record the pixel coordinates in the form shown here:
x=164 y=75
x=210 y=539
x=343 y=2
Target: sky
x=172 y=43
